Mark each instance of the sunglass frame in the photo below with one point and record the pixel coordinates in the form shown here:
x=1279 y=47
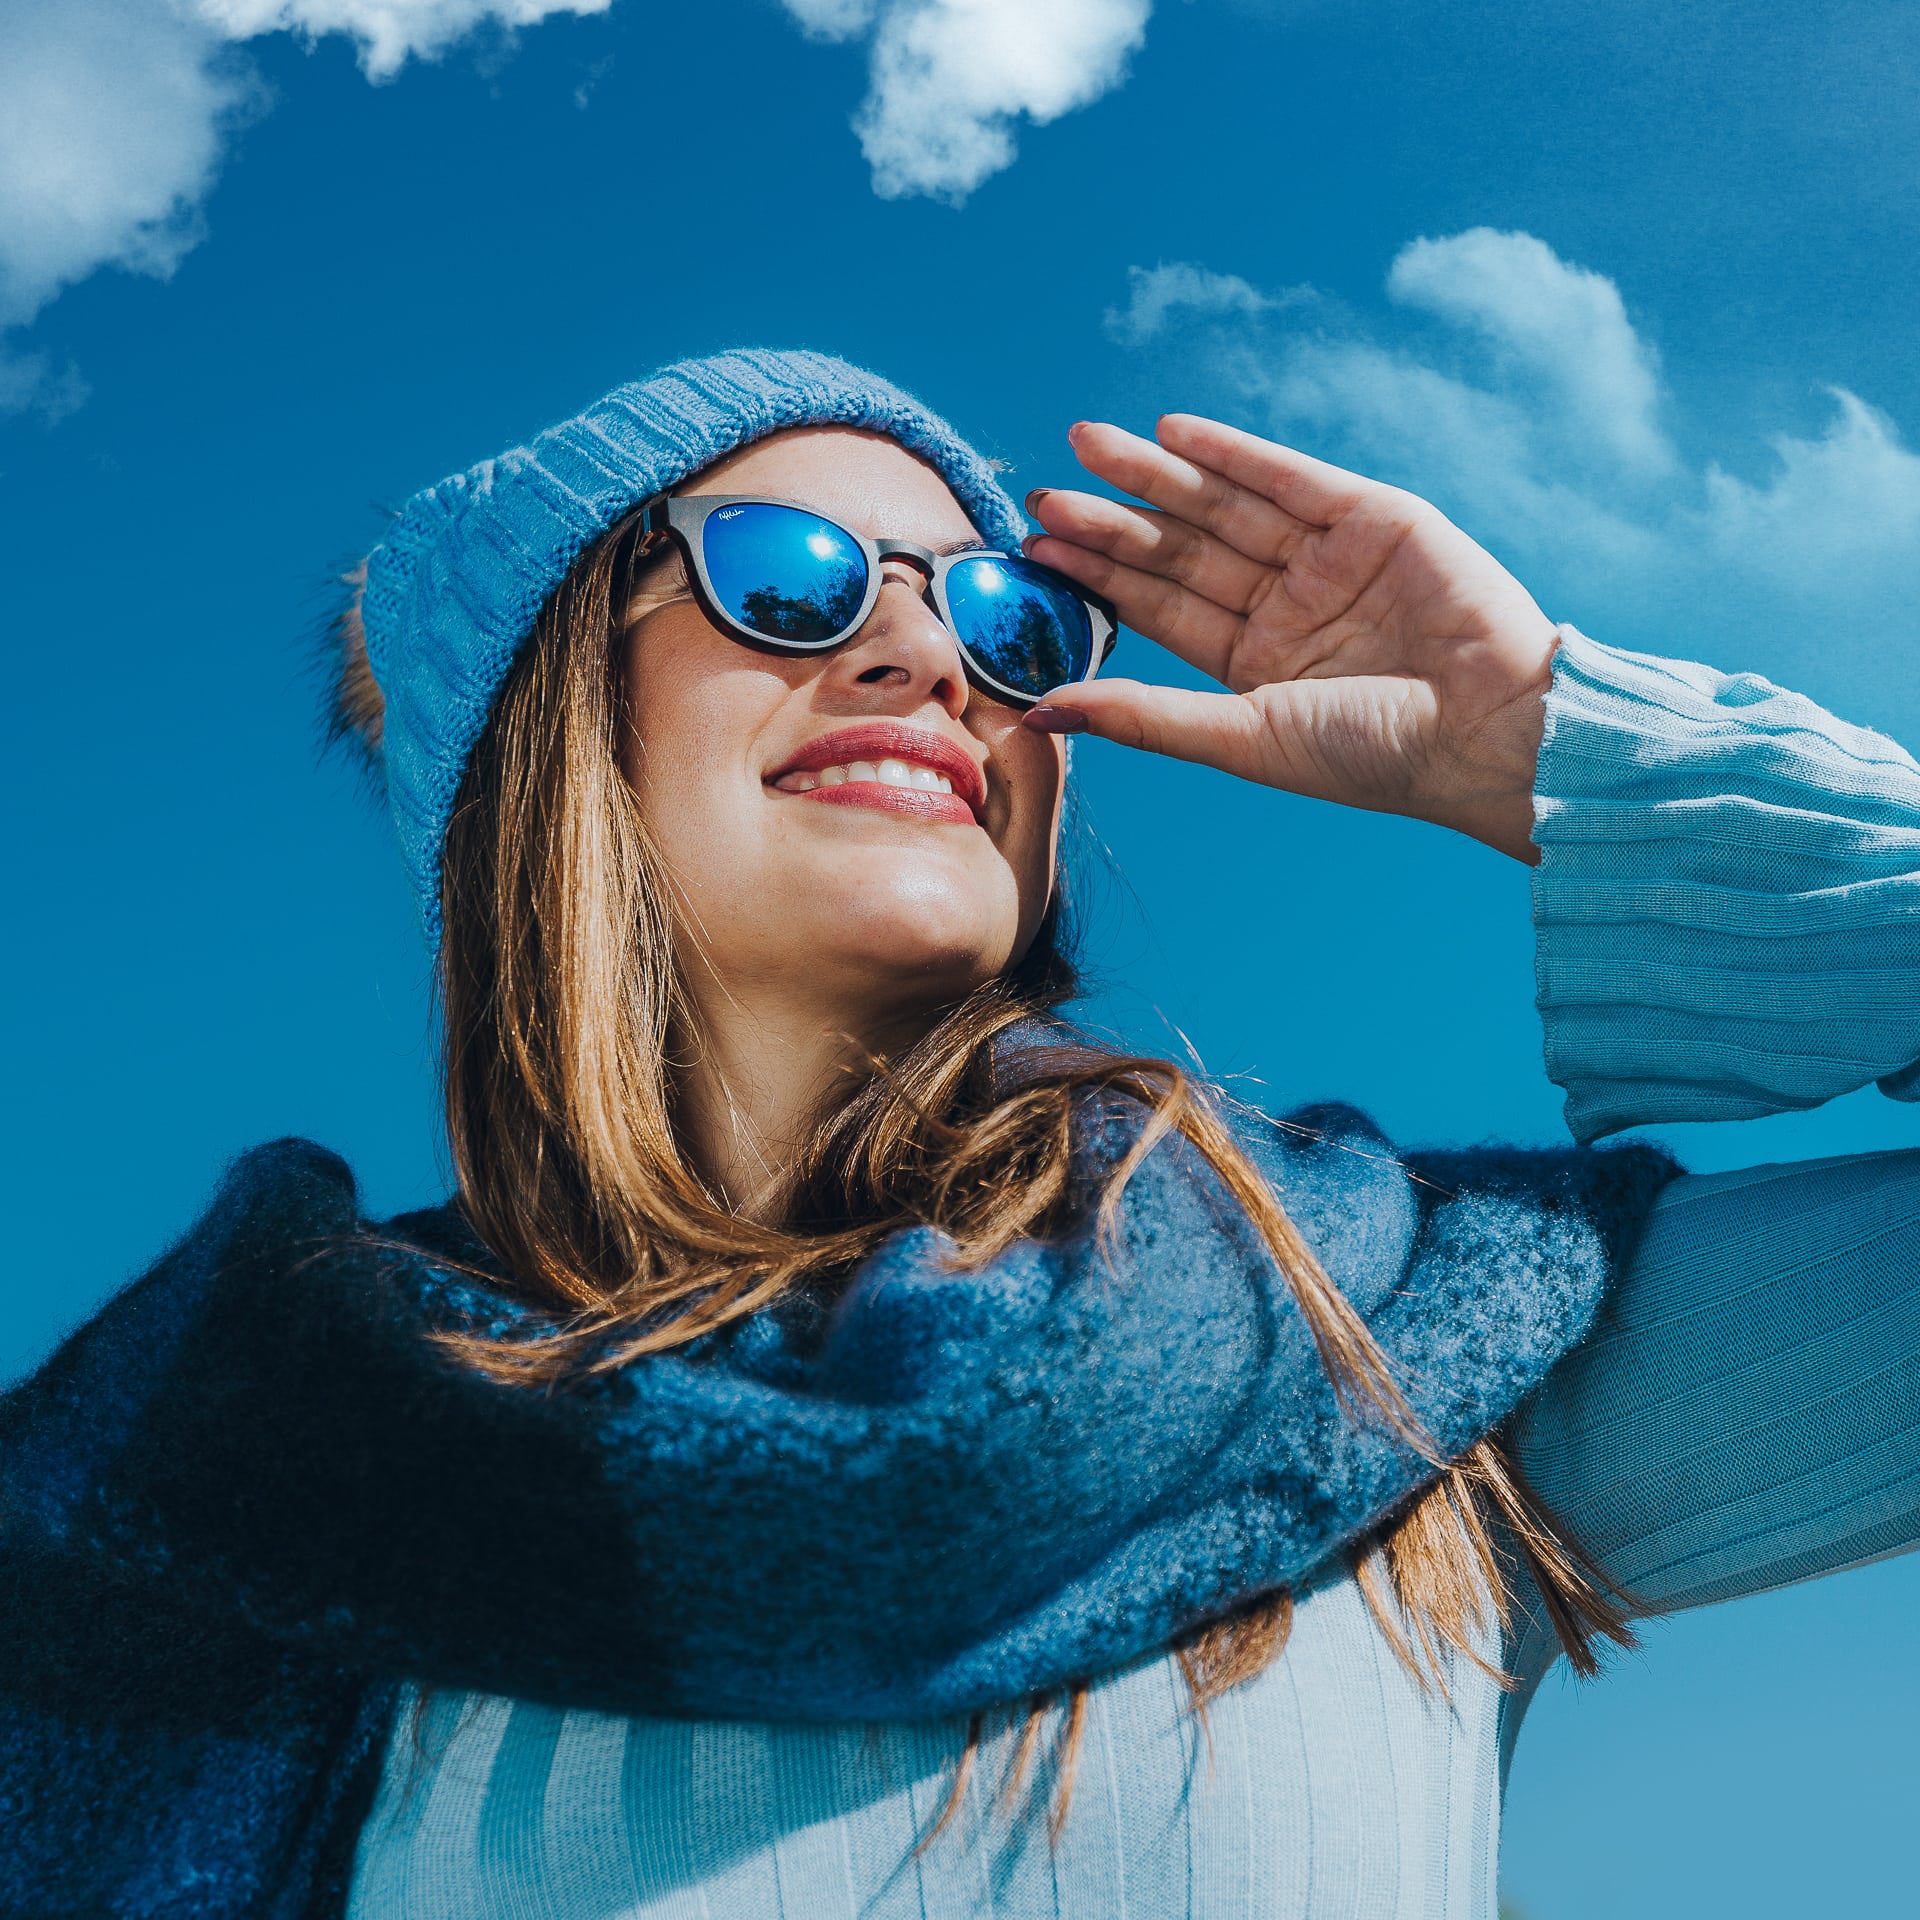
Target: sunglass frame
x=684 y=517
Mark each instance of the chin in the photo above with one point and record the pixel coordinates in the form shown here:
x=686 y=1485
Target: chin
x=917 y=964
x=927 y=944
x=932 y=979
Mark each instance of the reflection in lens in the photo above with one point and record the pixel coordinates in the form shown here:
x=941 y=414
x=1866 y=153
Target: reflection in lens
x=784 y=573
x=1026 y=627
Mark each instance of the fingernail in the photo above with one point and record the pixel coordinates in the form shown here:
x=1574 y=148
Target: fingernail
x=1079 y=426
x=1046 y=719
x=1034 y=496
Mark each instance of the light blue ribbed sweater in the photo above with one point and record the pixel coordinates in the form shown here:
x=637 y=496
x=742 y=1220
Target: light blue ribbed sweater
x=1728 y=914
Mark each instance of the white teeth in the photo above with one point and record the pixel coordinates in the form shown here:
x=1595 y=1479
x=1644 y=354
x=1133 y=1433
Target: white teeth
x=885 y=773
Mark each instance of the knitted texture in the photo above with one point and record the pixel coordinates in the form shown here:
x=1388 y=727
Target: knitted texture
x=454 y=590
x=251 y=1494
x=1727 y=898
x=1745 y=1412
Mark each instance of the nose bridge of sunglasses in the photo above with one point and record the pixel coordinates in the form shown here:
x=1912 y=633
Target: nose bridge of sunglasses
x=895 y=554
x=905 y=565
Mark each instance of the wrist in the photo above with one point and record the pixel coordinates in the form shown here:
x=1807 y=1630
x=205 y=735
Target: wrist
x=1498 y=765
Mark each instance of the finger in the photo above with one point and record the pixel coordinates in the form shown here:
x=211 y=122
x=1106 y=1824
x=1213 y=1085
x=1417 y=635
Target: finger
x=1244 y=518
x=1158 y=543
x=1301 y=486
x=1358 y=740
x=1201 y=631
x=1220 y=730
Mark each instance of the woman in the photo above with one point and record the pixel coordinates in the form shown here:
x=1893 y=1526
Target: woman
x=823 y=1337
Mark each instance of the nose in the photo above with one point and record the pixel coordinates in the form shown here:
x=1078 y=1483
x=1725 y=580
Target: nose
x=903 y=657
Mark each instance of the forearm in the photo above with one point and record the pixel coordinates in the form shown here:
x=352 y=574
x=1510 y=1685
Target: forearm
x=1728 y=896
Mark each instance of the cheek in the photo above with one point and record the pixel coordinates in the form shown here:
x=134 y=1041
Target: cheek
x=696 y=704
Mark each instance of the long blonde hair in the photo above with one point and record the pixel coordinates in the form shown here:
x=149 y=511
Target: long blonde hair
x=565 y=1018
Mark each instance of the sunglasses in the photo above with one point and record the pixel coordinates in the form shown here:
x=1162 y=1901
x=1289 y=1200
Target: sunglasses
x=786 y=579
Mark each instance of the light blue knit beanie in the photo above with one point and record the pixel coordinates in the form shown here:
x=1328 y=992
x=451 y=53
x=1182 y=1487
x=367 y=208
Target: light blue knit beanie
x=453 y=592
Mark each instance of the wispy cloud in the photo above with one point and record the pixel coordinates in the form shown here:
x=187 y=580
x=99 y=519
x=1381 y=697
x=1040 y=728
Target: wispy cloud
x=949 y=80
x=1517 y=392
x=1157 y=294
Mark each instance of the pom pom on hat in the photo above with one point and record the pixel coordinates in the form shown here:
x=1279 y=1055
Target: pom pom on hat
x=454 y=591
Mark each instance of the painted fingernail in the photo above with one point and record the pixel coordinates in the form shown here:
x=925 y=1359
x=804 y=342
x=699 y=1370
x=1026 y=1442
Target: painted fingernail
x=1046 y=719
x=1034 y=496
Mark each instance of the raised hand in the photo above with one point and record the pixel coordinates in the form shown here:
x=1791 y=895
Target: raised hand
x=1376 y=655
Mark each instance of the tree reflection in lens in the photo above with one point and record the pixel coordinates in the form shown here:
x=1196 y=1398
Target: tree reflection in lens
x=1024 y=629
x=784 y=573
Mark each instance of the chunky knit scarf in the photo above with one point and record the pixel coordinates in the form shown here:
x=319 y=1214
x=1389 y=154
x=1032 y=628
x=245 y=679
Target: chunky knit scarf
x=250 y=1496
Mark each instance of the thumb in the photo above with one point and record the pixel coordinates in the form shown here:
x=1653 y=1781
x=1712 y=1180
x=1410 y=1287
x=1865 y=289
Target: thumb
x=1223 y=730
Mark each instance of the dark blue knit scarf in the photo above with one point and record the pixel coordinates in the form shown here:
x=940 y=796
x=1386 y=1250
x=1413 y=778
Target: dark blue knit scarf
x=249 y=1497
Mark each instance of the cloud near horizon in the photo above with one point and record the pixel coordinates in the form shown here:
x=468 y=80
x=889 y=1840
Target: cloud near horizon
x=1515 y=391
x=116 y=115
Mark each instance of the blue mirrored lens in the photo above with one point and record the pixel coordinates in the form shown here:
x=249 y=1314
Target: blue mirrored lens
x=1024 y=626
x=783 y=573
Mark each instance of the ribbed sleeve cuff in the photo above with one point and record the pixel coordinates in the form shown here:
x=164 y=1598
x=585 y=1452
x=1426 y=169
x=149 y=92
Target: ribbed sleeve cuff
x=1727 y=903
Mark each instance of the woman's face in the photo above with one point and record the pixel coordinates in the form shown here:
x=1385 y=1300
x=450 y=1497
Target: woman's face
x=861 y=899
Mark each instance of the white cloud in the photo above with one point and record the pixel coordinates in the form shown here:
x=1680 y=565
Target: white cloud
x=949 y=79
x=1552 y=323
x=115 y=114
x=387 y=32
x=1473 y=447
x=1155 y=293
x=114 y=121
x=835 y=19
x=1522 y=399
x=1851 y=498
x=110 y=132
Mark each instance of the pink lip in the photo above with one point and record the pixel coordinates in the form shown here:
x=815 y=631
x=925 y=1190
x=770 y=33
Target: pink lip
x=893 y=740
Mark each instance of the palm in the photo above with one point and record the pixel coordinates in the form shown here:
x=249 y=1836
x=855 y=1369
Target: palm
x=1381 y=657
x=1367 y=595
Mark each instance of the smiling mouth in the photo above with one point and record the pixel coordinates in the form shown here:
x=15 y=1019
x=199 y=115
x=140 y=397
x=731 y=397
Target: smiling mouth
x=891 y=768
x=893 y=786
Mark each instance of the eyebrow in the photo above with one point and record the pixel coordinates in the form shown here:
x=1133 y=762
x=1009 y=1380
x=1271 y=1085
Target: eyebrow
x=975 y=545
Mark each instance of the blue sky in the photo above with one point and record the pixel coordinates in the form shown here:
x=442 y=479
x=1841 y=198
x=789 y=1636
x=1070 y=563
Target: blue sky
x=1629 y=290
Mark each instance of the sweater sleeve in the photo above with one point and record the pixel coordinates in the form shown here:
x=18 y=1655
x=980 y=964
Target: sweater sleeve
x=1727 y=902
x=1746 y=1412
